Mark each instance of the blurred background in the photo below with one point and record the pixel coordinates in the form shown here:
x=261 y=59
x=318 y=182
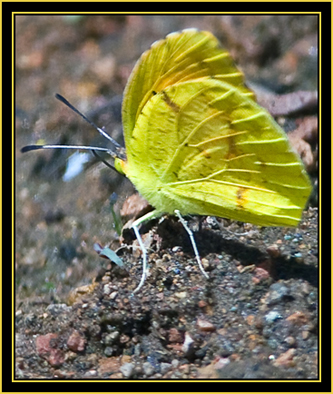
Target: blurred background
x=88 y=59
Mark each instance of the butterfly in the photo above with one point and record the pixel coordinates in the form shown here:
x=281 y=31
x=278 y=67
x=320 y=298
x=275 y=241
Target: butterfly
x=198 y=143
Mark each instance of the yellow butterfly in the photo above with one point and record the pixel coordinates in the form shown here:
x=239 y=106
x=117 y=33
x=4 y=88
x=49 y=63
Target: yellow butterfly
x=198 y=143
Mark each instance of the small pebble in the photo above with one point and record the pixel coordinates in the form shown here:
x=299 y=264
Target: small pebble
x=298 y=318
x=290 y=340
x=174 y=363
x=165 y=367
x=90 y=373
x=187 y=345
x=108 y=351
x=175 y=336
x=111 y=338
x=76 y=342
x=127 y=369
x=205 y=325
x=106 y=289
x=277 y=293
x=273 y=250
x=285 y=359
x=272 y=316
x=148 y=369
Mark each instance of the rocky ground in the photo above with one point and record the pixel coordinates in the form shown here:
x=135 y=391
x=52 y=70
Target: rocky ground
x=257 y=315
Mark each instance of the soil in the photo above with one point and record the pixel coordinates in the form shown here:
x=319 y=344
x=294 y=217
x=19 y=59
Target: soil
x=256 y=317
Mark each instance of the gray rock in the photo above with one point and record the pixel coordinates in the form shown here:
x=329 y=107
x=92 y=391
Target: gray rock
x=272 y=316
x=148 y=368
x=127 y=369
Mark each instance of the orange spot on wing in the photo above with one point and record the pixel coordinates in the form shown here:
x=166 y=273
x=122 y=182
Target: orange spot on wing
x=175 y=107
x=206 y=154
x=241 y=197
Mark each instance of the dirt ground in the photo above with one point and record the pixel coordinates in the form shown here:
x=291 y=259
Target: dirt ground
x=257 y=315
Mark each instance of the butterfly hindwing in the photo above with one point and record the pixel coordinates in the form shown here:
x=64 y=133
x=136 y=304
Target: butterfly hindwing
x=204 y=148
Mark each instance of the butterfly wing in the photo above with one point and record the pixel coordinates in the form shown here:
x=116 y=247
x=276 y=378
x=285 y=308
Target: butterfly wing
x=181 y=56
x=204 y=148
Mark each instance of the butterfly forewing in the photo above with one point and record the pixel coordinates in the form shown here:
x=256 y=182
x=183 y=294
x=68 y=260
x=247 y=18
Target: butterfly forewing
x=181 y=56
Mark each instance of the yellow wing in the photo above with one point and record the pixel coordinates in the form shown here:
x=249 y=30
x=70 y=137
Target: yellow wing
x=181 y=56
x=205 y=148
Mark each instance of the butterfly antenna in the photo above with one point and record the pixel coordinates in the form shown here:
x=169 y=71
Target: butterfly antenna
x=194 y=245
x=119 y=149
x=29 y=148
x=101 y=131
x=118 y=152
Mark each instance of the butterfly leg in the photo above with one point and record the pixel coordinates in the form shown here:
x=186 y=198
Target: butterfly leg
x=194 y=245
x=148 y=216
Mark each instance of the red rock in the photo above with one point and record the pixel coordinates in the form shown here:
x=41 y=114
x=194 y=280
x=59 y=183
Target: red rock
x=76 y=342
x=259 y=275
x=46 y=348
x=175 y=336
x=45 y=343
x=285 y=359
x=109 y=365
x=56 y=357
x=205 y=325
x=298 y=318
